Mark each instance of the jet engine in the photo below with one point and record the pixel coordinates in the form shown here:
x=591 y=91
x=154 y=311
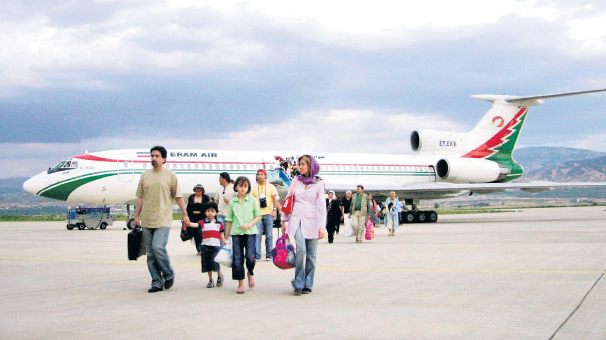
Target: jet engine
x=470 y=170
x=429 y=142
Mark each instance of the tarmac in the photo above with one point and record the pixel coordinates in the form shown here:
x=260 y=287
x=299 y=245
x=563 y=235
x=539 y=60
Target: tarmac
x=530 y=274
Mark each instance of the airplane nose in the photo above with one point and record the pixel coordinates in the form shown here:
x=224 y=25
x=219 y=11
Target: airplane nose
x=30 y=186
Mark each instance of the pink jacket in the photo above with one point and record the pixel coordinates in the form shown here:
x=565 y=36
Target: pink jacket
x=309 y=209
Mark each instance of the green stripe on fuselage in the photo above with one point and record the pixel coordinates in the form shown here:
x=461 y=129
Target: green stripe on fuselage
x=62 y=191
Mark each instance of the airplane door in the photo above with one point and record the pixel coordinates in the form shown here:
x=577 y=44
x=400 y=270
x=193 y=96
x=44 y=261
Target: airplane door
x=126 y=170
x=432 y=174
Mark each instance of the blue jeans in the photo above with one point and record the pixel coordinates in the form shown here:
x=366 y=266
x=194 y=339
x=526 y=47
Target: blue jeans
x=221 y=218
x=239 y=244
x=306 y=261
x=267 y=223
x=155 y=240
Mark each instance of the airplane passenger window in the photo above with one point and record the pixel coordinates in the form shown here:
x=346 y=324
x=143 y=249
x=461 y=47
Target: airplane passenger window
x=244 y=167
x=238 y=166
x=231 y=166
x=189 y=166
x=125 y=165
x=74 y=164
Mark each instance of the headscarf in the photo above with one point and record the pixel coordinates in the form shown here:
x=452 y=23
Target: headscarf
x=314 y=168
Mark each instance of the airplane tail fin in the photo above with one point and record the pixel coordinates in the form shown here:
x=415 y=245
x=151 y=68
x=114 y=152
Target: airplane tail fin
x=496 y=134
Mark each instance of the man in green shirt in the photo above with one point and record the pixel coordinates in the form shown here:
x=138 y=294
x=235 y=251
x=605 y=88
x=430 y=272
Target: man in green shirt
x=156 y=191
x=360 y=206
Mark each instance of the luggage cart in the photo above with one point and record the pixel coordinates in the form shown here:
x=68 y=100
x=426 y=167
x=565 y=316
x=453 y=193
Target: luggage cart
x=91 y=218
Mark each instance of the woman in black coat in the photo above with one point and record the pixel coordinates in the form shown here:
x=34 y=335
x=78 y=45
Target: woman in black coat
x=196 y=207
x=333 y=209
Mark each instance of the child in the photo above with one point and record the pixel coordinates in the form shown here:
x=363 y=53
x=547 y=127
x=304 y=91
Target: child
x=241 y=223
x=393 y=211
x=212 y=238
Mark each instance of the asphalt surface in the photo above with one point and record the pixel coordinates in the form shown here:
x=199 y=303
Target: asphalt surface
x=530 y=274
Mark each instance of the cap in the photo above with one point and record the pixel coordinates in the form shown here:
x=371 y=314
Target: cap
x=263 y=171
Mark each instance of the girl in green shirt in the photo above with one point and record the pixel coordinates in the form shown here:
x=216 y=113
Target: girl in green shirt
x=241 y=224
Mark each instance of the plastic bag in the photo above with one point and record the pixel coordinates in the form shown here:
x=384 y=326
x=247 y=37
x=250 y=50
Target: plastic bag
x=349 y=232
x=370 y=230
x=225 y=255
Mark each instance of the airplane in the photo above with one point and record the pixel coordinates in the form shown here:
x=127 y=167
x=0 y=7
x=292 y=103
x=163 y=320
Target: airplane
x=447 y=164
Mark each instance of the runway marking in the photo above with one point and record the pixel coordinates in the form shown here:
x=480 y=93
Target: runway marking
x=360 y=269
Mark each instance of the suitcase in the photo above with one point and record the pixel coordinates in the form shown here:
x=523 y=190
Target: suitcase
x=136 y=247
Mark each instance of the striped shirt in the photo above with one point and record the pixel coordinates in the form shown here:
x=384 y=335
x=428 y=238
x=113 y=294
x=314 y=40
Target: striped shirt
x=211 y=233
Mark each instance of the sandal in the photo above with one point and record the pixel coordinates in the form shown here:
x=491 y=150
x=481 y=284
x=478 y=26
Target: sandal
x=251 y=281
x=210 y=284
x=240 y=290
x=220 y=281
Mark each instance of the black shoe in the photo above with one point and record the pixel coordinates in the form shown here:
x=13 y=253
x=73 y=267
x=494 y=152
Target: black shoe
x=306 y=291
x=169 y=283
x=298 y=292
x=155 y=289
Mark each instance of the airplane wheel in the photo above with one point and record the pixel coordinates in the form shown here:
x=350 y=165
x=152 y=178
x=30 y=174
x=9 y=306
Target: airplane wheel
x=421 y=217
x=70 y=227
x=81 y=227
x=130 y=223
x=409 y=217
x=432 y=216
x=103 y=225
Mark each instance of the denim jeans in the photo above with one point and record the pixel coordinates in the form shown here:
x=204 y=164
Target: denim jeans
x=306 y=261
x=221 y=218
x=155 y=240
x=239 y=244
x=267 y=223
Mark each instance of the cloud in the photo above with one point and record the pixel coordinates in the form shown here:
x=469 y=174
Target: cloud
x=122 y=71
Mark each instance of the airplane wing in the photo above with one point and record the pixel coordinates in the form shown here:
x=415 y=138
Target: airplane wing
x=448 y=190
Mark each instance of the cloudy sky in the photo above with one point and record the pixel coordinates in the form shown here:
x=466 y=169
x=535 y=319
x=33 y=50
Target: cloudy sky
x=275 y=75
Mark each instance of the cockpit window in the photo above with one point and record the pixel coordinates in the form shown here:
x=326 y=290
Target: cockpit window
x=66 y=164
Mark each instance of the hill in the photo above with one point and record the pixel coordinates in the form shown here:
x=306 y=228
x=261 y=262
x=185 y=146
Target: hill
x=536 y=158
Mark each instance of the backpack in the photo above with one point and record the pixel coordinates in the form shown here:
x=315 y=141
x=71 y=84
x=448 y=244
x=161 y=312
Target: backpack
x=284 y=253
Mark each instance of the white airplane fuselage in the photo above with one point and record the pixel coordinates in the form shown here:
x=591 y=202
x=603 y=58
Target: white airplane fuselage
x=111 y=177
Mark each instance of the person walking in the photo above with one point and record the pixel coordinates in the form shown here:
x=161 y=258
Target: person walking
x=242 y=217
x=359 y=210
x=224 y=195
x=267 y=196
x=392 y=221
x=346 y=211
x=334 y=216
x=307 y=222
x=156 y=191
x=196 y=206
x=212 y=234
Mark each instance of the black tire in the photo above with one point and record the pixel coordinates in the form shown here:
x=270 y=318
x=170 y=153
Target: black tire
x=70 y=227
x=130 y=224
x=421 y=217
x=409 y=217
x=81 y=227
x=103 y=225
x=432 y=216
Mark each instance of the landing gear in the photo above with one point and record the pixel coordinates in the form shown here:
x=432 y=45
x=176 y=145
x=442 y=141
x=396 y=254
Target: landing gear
x=70 y=227
x=418 y=216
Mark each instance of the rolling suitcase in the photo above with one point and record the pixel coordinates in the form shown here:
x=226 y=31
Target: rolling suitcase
x=135 y=244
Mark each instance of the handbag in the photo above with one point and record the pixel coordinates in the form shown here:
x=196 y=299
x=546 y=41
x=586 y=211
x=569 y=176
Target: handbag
x=136 y=248
x=289 y=202
x=184 y=234
x=225 y=254
x=283 y=253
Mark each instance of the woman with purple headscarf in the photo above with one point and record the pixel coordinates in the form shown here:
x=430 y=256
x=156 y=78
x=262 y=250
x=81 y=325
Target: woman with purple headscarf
x=307 y=221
